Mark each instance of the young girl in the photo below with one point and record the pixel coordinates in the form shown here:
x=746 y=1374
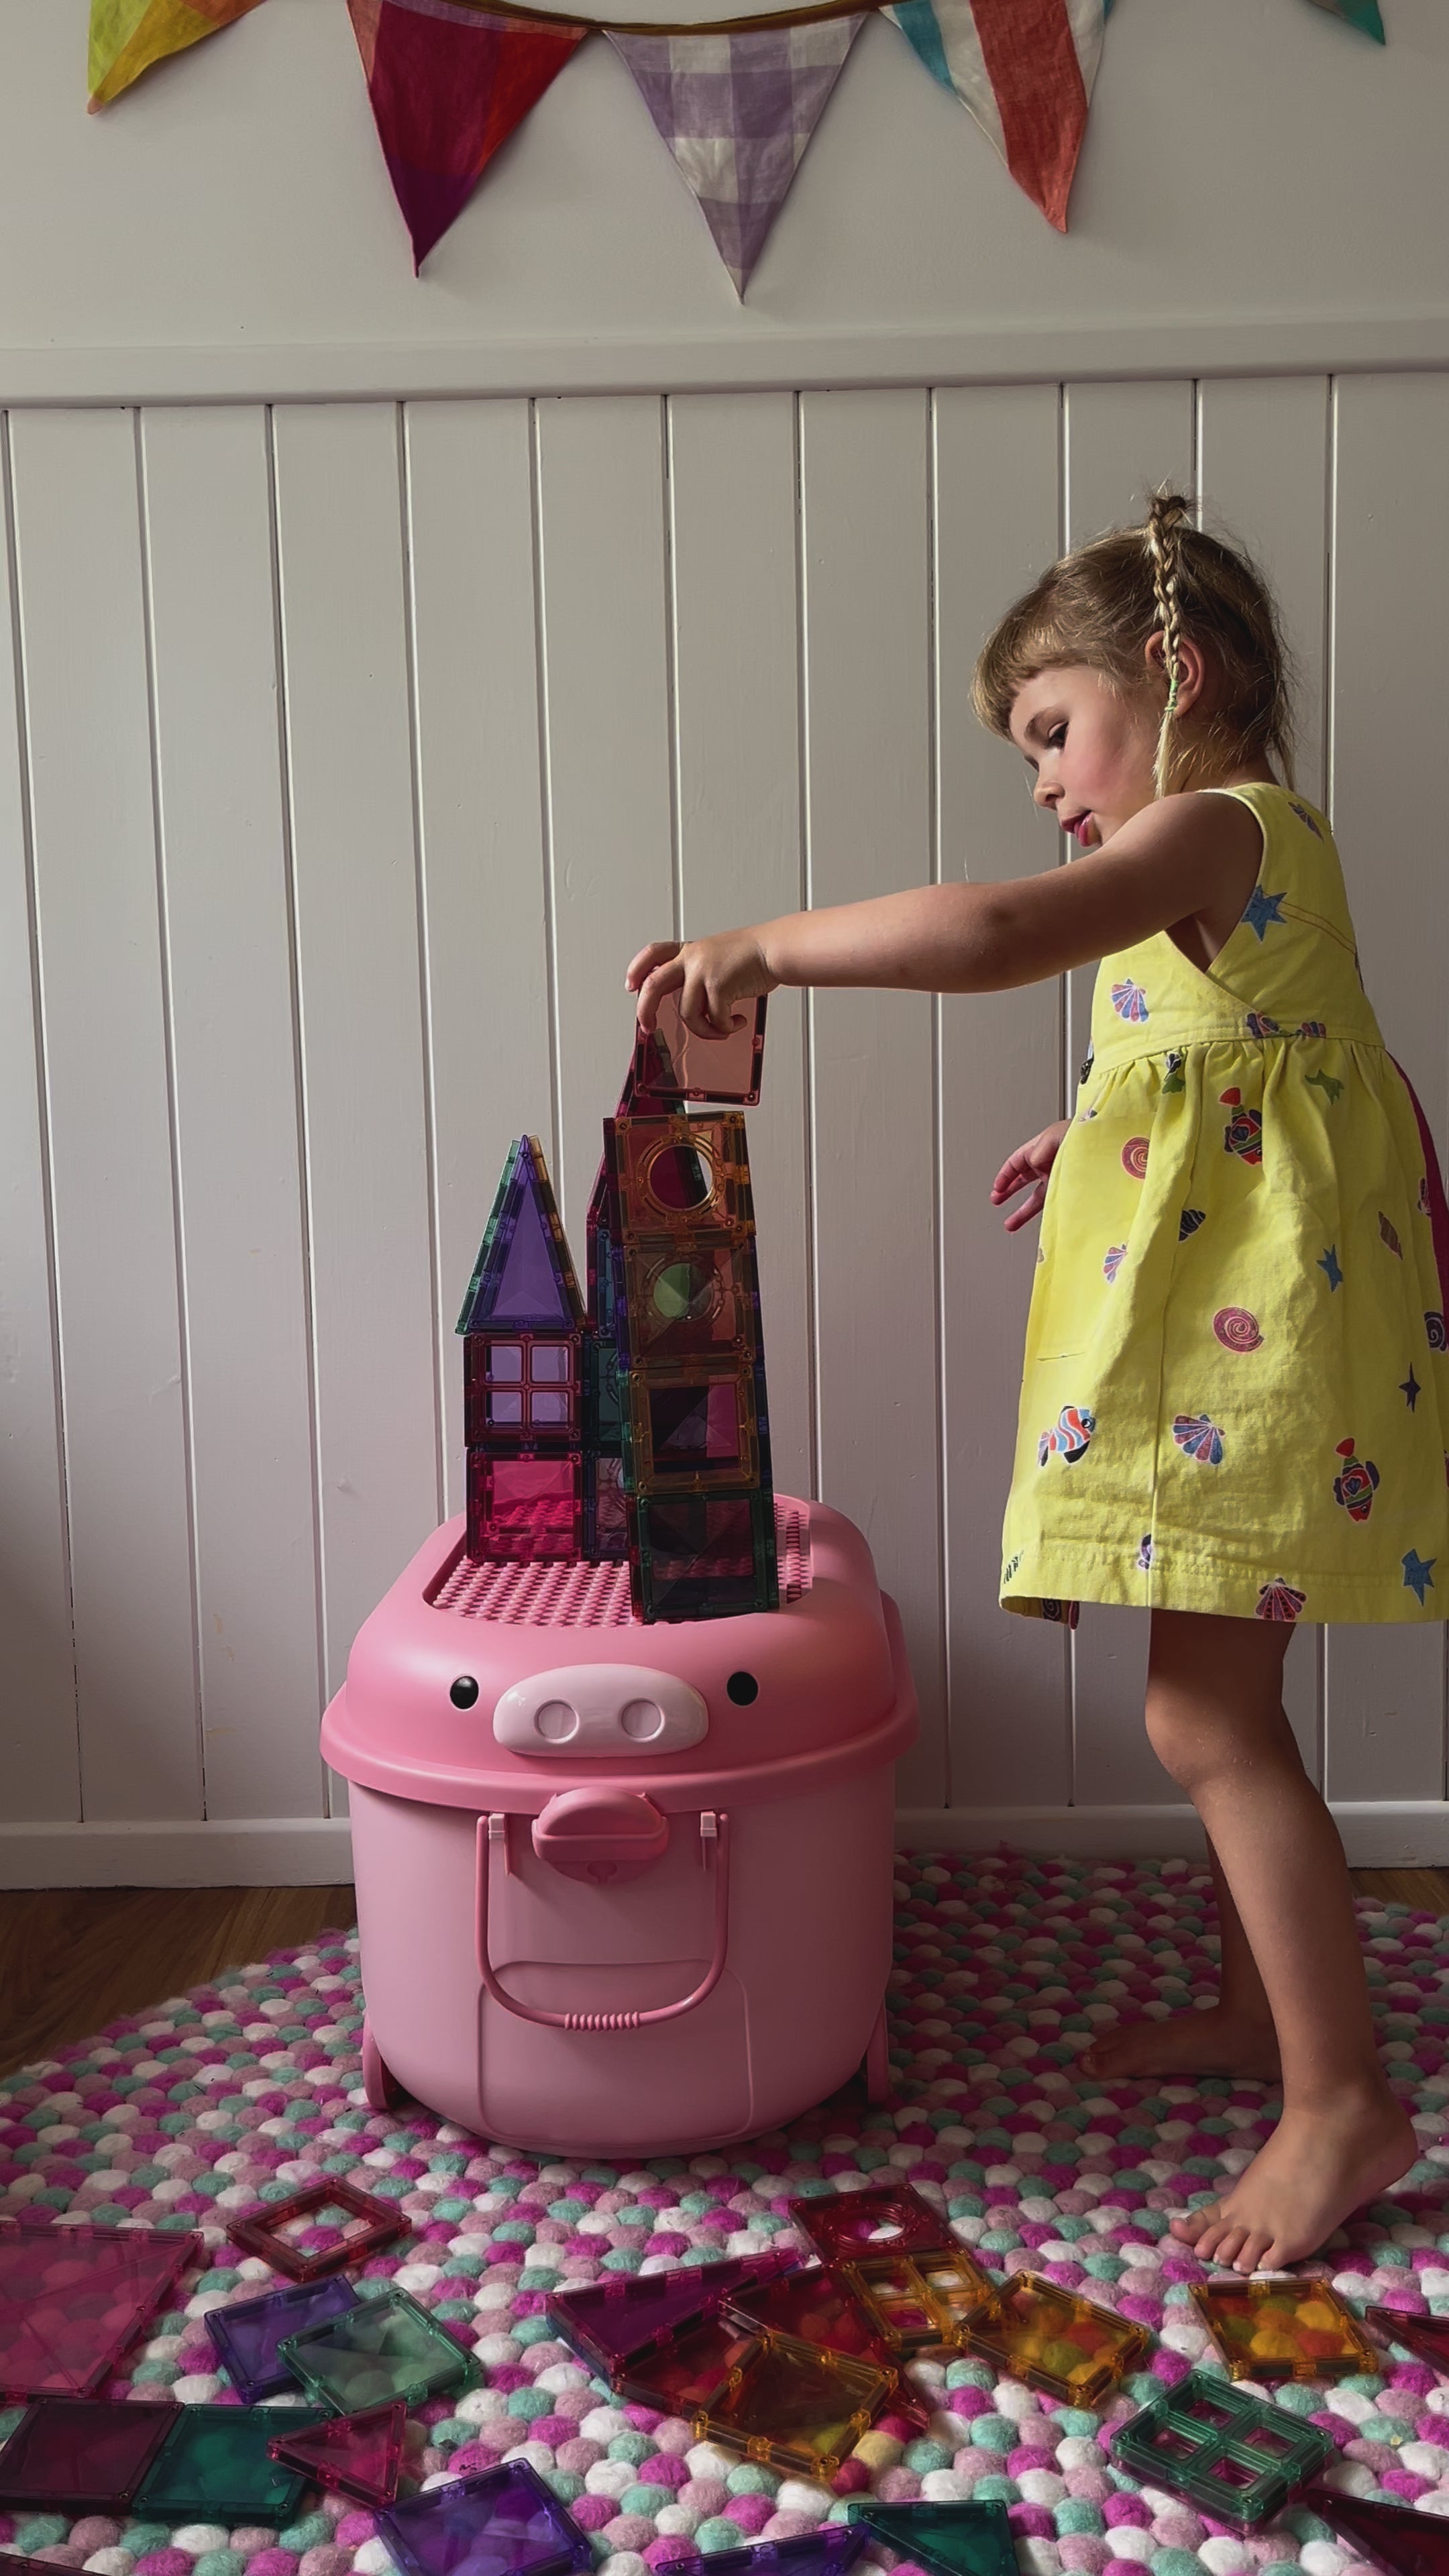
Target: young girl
x=1233 y=1411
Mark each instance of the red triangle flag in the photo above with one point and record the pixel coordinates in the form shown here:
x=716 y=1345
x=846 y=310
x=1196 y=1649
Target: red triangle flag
x=448 y=84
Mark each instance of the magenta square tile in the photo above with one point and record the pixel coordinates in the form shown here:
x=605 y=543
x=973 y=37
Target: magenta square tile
x=73 y=2298
x=81 y=2454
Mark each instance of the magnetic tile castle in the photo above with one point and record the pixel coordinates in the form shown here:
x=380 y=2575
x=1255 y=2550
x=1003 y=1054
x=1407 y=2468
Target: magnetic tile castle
x=637 y=1428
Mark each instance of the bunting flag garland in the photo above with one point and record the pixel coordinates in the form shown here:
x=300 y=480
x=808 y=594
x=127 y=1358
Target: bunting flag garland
x=1024 y=69
x=448 y=84
x=737 y=112
x=1364 y=14
x=128 y=36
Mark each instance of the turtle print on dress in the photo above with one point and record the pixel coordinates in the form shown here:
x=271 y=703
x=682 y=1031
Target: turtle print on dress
x=1217 y=1302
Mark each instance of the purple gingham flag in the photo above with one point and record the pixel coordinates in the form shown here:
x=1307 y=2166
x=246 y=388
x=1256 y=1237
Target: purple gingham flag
x=737 y=112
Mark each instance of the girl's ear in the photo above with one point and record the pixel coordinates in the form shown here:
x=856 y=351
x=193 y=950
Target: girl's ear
x=1191 y=669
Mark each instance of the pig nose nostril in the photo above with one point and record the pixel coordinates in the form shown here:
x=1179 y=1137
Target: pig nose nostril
x=556 y=1721
x=642 y=1721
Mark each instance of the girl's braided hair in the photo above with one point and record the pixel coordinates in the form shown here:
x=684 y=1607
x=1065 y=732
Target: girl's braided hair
x=1100 y=605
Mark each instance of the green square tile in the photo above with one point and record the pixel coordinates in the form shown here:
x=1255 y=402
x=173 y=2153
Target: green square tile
x=386 y=2347
x=215 y=2467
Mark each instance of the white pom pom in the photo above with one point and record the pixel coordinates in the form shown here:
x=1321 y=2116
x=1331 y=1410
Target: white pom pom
x=196 y=2537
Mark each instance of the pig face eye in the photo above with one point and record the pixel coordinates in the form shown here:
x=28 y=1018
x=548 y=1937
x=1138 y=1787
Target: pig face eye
x=464 y=1691
x=742 y=1688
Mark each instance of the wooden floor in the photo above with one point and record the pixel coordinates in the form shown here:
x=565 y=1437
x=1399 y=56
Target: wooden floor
x=72 y=1960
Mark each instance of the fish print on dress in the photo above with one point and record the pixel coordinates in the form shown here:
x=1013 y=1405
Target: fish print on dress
x=1198 y=1436
x=1243 y=1134
x=1354 y=1489
x=1278 y=1600
x=1130 y=1002
x=1236 y=1329
x=1069 y=1437
x=1265 y=912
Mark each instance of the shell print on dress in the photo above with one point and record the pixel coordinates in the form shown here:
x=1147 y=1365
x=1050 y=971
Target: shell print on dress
x=1144 y=1553
x=1063 y=1614
x=1389 y=1235
x=1129 y=1001
x=1189 y=1221
x=1112 y=1259
x=1278 y=1600
x=1134 y=1157
x=1305 y=817
x=1068 y=1437
x=1198 y=1436
x=1259 y=1025
x=1434 y=1327
x=1243 y=1133
x=1236 y=1329
x=1313 y=1028
x=1356 y=1487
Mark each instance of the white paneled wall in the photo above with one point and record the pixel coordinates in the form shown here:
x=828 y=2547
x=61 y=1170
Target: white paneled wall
x=346 y=753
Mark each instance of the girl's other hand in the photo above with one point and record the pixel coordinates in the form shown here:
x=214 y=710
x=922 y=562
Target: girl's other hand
x=709 y=975
x=1029 y=1169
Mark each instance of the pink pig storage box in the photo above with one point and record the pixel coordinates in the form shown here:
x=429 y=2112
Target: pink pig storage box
x=624 y=1889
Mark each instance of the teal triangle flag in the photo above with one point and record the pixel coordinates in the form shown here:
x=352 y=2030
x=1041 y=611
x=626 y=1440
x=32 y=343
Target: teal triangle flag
x=1364 y=14
x=950 y=2539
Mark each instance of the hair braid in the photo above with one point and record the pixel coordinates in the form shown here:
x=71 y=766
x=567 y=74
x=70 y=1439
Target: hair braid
x=1168 y=515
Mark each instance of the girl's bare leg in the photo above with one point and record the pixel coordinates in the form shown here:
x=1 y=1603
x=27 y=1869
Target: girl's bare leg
x=1234 y=2037
x=1215 y=1717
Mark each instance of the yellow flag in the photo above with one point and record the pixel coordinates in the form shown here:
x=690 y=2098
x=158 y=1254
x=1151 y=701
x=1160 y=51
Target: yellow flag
x=128 y=36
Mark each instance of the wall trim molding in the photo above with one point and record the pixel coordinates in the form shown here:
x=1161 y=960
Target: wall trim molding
x=248 y=1851
x=746 y=359
x=316 y=1851
x=1395 y=1833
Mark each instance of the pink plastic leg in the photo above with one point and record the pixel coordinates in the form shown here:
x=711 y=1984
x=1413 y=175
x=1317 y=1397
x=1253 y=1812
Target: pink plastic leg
x=381 y=2090
x=876 y=2062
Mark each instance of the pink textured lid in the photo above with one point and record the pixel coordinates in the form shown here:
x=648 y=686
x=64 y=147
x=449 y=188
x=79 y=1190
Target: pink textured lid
x=832 y=1690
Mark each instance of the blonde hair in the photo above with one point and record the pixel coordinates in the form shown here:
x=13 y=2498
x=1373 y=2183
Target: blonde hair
x=1102 y=603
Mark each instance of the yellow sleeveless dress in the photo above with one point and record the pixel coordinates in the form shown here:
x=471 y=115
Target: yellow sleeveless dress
x=1236 y=1394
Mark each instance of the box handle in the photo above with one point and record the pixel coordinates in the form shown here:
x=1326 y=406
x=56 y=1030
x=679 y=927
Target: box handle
x=714 y=1832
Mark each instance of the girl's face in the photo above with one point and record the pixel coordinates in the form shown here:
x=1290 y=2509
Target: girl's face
x=1091 y=748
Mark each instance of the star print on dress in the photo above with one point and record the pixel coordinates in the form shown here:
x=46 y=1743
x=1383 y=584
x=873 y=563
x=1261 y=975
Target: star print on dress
x=1278 y=1600
x=1189 y=1221
x=1434 y=1327
x=1327 y=1083
x=1112 y=1260
x=1129 y=1001
x=1243 y=1133
x=1265 y=912
x=1418 y=1574
x=1356 y=1487
x=1198 y=1436
x=1328 y=1264
x=1410 y=1389
x=1389 y=1236
x=1069 y=1436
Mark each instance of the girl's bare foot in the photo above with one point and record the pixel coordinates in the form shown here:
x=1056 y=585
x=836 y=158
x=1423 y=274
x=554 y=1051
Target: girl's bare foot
x=1316 y=2167
x=1215 y=2042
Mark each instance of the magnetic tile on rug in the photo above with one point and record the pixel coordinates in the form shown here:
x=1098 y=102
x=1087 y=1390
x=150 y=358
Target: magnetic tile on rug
x=805 y=2553
x=1283 y=2329
x=612 y=2322
x=886 y=2218
x=247 y=2337
x=503 y=2522
x=318 y=2229
x=795 y=2410
x=1427 y=2336
x=1233 y=2456
x=81 y=2454
x=215 y=2466
x=357 y=2455
x=1055 y=2341
x=683 y=2373
x=921 y=2303
x=73 y=2298
x=383 y=2348
x=950 y=2539
x=1395 y=2536
x=812 y=2308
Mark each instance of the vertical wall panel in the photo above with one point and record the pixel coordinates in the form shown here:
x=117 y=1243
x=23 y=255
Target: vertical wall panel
x=1263 y=475
x=475 y=671
x=39 y=1746
x=733 y=544
x=224 y=876
x=1000 y=1081
x=607 y=682
x=1385 y=1686
x=1122 y=441
x=868 y=738
x=88 y=718
x=345 y=664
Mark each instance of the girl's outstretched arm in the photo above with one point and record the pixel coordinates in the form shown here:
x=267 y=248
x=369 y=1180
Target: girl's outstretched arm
x=1175 y=858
